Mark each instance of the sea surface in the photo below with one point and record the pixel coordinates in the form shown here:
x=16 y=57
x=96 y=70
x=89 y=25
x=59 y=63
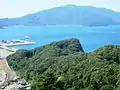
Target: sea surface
x=91 y=38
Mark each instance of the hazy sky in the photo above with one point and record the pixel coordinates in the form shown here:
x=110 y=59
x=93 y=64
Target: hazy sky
x=15 y=8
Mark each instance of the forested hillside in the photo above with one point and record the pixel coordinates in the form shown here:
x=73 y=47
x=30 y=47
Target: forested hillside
x=65 y=66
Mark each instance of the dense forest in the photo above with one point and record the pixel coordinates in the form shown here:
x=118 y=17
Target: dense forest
x=64 y=65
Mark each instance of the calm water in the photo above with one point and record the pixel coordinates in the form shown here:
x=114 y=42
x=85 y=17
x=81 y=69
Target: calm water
x=90 y=37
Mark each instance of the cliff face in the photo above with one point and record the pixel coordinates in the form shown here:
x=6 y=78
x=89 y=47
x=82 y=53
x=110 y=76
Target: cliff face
x=6 y=74
x=8 y=78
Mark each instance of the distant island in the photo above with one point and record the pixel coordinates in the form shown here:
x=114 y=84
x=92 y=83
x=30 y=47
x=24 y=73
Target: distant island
x=67 y=15
x=64 y=65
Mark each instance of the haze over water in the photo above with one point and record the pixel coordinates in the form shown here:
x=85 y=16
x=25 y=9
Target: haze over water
x=91 y=38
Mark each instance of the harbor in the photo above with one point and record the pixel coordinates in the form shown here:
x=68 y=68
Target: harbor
x=5 y=46
x=9 y=43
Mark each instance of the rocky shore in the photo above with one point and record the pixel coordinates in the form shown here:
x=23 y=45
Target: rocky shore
x=8 y=78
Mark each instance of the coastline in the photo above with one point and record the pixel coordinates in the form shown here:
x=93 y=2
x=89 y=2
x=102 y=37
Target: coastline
x=19 y=44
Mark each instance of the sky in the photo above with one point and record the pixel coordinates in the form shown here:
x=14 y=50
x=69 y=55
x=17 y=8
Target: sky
x=16 y=8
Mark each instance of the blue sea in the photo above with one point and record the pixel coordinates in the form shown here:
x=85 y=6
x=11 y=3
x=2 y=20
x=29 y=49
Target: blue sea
x=91 y=38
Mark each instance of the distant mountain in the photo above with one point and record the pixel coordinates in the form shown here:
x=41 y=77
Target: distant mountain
x=67 y=15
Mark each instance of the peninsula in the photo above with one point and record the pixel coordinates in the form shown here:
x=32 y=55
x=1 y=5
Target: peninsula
x=64 y=65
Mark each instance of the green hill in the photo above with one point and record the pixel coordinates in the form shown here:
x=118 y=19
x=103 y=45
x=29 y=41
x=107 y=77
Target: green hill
x=65 y=66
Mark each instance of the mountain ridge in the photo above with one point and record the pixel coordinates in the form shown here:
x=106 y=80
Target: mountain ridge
x=67 y=15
